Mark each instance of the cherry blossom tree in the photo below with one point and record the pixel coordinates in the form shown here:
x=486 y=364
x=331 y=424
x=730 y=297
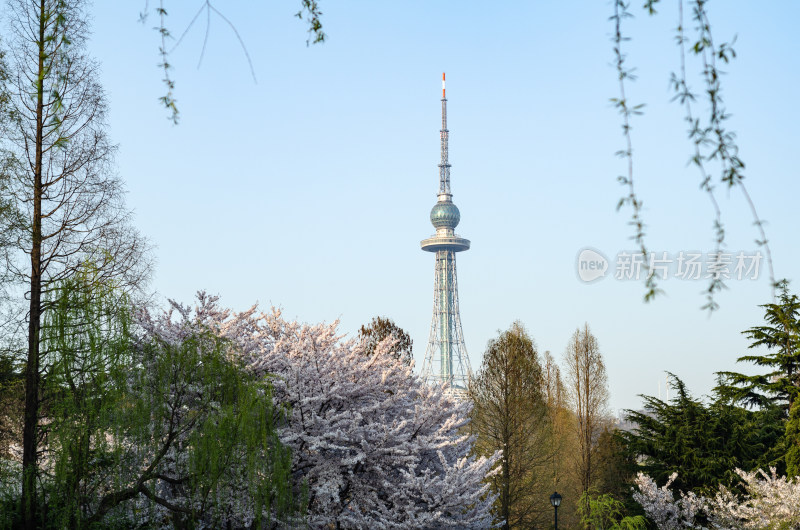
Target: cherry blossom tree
x=767 y=501
x=660 y=504
x=372 y=446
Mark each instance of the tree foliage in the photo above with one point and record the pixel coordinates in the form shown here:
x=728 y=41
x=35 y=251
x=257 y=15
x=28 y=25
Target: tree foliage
x=216 y=457
x=87 y=335
x=67 y=205
x=162 y=428
x=202 y=417
x=11 y=405
x=780 y=385
x=616 y=466
x=372 y=445
x=560 y=420
x=764 y=501
x=8 y=207
x=587 y=391
x=703 y=443
x=604 y=512
x=510 y=415
x=792 y=442
x=380 y=329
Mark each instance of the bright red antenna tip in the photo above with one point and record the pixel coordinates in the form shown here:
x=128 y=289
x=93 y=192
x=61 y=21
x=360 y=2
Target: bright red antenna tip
x=442 y=85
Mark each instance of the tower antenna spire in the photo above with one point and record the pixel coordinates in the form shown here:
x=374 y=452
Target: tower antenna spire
x=444 y=165
x=446 y=361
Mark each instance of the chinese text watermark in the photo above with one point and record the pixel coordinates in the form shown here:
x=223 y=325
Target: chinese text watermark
x=592 y=265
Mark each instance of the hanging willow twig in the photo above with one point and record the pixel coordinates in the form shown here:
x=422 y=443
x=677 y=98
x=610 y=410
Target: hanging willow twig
x=711 y=141
x=627 y=111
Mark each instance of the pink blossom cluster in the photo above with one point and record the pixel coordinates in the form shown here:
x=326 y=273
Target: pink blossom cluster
x=767 y=501
x=374 y=446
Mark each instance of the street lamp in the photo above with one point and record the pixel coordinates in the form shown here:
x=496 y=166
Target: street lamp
x=555 y=500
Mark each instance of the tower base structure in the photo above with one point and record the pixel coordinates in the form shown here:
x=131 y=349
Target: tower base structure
x=446 y=361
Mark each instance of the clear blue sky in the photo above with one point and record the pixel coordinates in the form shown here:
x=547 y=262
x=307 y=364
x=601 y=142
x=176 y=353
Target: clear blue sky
x=311 y=188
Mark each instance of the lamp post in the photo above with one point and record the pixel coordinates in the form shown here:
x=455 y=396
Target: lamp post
x=555 y=500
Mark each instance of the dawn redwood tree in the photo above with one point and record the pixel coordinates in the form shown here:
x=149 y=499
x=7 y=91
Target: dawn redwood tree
x=560 y=473
x=70 y=205
x=510 y=416
x=7 y=206
x=587 y=390
x=559 y=416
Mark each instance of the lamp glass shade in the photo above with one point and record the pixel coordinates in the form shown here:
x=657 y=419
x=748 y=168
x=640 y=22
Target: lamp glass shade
x=555 y=499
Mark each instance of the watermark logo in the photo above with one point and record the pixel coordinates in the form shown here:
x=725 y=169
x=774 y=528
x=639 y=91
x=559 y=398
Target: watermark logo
x=683 y=265
x=592 y=265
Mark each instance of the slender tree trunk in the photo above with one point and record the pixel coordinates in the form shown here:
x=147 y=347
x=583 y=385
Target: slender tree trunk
x=505 y=504
x=505 y=492
x=32 y=374
x=588 y=412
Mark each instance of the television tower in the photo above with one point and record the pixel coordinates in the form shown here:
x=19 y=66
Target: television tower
x=446 y=360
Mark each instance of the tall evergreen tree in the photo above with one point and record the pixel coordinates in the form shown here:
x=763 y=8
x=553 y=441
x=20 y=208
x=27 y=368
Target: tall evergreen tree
x=792 y=441
x=615 y=466
x=703 y=443
x=781 y=336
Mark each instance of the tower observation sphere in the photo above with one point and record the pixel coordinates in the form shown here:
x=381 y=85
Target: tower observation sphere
x=445 y=215
x=446 y=362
